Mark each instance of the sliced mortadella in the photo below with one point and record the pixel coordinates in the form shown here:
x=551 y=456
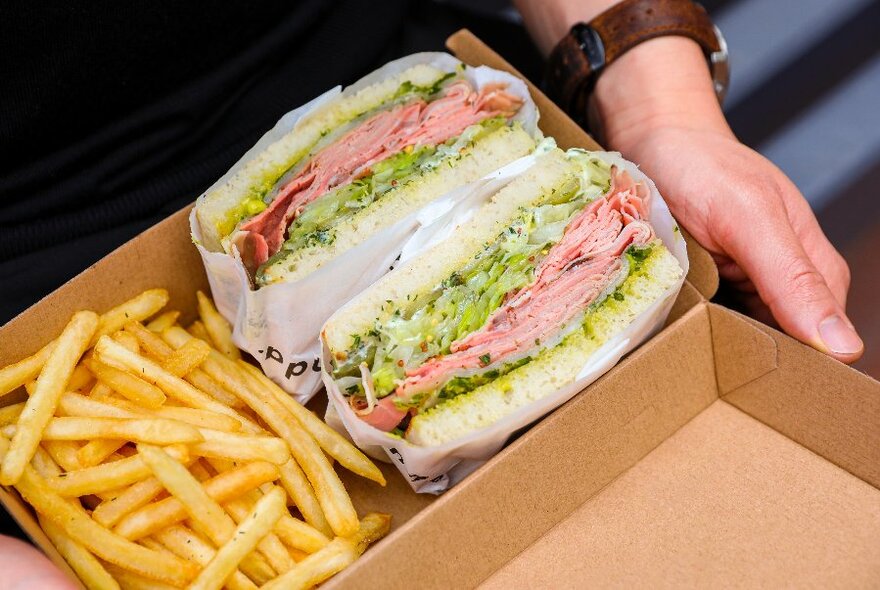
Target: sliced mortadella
x=385 y=415
x=384 y=134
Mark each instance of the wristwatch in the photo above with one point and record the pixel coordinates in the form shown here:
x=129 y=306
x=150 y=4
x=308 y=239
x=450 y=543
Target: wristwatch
x=588 y=48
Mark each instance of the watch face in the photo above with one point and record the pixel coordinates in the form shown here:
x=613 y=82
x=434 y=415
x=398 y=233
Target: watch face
x=720 y=62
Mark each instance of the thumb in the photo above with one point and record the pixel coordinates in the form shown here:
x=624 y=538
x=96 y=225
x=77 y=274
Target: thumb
x=795 y=291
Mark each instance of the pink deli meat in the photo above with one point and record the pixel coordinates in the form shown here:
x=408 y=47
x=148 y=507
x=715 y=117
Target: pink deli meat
x=574 y=273
x=416 y=124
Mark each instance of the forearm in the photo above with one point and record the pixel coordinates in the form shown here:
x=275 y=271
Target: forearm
x=662 y=82
x=548 y=20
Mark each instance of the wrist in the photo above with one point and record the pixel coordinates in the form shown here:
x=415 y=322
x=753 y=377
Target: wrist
x=661 y=83
x=548 y=21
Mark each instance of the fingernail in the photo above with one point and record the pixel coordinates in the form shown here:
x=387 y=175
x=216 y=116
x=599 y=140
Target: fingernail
x=839 y=336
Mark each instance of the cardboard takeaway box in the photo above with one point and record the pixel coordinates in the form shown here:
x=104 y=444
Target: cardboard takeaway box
x=721 y=452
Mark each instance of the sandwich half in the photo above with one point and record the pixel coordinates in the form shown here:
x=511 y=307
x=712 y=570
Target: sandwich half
x=363 y=159
x=506 y=311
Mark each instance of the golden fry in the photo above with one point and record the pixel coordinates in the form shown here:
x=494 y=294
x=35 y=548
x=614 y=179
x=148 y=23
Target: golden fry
x=303 y=495
x=10 y=414
x=189 y=545
x=24 y=371
x=217 y=327
x=64 y=453
x=185 y=359
x=74 y=404
x=95 y=451
x=137 y=309
x=126 y=384
x=80 y=379
x=270 y=546
x=298 y=535
x=132 y=581
x=206 y=514
x=149 y=302
x=137 y=495
x=107 y=476
x=127 y=340
x=224 y=445
x=198 y=330
x=43 y=463
x=331 y=494
x=149 y=430
x=161 y=351
x=215 y=438
x=253 y=528
x=162 y=321
x=149 y=340
x=40 y=406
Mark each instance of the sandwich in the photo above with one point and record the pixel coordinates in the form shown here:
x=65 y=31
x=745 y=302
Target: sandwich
x=355 y=162
x=505 y=312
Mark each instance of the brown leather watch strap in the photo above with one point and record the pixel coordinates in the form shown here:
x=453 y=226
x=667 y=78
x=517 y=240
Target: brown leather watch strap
x=588 y=48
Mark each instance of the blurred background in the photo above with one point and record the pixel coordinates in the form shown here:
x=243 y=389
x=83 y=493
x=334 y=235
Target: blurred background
x=805 y=92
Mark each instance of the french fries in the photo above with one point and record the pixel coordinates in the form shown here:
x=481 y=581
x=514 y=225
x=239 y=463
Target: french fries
x=76 y=523
x=253 y=528
x=339 y=554
x=50 y=385
x=333 y=443
x=225 y=445
x=109 y=476
x=155 y=457
x=217 y=327
x=331 y=494
x=149 y=430
x=126 y=384
x=162 y=321
x=189 y=545
x=219 y=489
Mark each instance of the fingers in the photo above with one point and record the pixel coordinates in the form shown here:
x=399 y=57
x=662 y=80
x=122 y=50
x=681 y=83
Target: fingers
x=765 y=246
x=25 y=568
x=821 y=252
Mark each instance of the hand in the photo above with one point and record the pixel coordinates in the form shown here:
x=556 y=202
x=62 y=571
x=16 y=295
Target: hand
x=656 y=106
x=25 y=568
x=760 y=230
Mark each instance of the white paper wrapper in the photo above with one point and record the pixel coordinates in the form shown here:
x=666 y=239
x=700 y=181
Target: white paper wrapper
x=435 y=469
x=279 y=324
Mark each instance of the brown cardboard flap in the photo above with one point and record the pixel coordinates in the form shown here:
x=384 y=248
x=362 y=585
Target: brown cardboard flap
x=542 y=477
x=724 y=502
x=703 y=273
x=815 y=400
x=687 y=298
x=742 y=353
